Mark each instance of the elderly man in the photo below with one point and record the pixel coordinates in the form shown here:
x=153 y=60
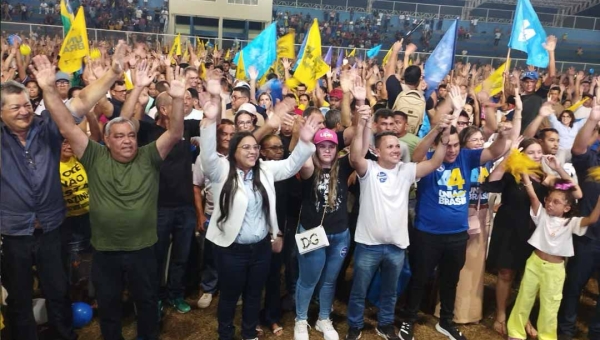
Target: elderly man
x=123 y=180
x=31 y=202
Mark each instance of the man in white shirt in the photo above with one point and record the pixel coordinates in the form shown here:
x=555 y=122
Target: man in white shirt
x=63 y=84
x=382 y=229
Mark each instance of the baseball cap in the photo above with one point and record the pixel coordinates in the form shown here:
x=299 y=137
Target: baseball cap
x=62 y=76
x=336 y=93
x=248 y=107
x=531 y=75
x=242 y=83
x=325 y=135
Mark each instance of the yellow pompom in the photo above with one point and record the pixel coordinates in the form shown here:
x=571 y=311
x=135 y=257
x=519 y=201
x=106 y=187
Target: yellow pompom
x=594 y=173
x=518 y=163
x=95 y=54
x=25 y=49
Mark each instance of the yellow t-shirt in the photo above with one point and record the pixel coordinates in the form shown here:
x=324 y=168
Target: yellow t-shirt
x=74 y=182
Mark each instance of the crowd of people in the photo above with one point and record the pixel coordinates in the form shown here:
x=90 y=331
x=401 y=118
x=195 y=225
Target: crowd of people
x=313 y=178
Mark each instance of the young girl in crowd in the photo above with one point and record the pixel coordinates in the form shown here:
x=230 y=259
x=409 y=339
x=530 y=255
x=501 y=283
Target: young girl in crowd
x=509 y=249
x=545 y=270
x=324 y=203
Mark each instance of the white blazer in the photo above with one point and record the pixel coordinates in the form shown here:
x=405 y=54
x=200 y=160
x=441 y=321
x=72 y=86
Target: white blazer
x=216 y=170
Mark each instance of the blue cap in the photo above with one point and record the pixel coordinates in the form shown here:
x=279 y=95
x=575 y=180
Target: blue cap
x=531 y=75
x=62 y=76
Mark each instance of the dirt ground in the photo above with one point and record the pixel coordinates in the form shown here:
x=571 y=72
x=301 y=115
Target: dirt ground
x=202 y=324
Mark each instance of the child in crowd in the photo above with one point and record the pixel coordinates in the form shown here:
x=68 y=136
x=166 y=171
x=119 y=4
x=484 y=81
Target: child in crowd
x=545 y=270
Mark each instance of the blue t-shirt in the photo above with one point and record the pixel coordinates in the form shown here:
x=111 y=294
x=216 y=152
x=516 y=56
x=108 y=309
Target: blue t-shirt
x=478 y=176
x=442 y=196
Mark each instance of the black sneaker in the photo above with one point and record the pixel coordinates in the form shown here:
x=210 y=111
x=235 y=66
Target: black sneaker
x=449 y=330
x=387 y=332
x=353 y=334
x=406 y=331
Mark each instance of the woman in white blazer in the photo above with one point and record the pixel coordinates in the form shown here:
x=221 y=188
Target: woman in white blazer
x=244 y=226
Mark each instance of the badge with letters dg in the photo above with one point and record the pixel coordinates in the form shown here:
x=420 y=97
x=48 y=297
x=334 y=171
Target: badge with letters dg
x=311 y=239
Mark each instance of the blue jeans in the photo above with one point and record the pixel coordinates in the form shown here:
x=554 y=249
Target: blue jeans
x=367 y=260
x=579 y=270
x=176 y=226
x=320 y=267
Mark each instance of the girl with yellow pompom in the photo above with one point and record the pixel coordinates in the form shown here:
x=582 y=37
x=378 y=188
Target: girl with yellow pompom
x=513 y=226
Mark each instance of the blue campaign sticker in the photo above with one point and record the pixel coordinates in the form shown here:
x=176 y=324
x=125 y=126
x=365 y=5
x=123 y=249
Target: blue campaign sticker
x=344 y=252
x=441 y=168
x=382 y=176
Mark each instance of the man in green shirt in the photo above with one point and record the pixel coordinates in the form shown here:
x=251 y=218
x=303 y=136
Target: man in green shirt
x=123 y=187
x=401 y=120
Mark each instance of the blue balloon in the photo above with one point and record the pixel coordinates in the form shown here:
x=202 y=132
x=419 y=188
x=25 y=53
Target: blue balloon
x=82 y=314
x=591 y=71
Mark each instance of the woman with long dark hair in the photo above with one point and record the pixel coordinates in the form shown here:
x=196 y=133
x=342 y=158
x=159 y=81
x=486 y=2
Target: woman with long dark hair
x=244 y=226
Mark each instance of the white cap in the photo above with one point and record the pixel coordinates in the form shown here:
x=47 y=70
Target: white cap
x=248 y=107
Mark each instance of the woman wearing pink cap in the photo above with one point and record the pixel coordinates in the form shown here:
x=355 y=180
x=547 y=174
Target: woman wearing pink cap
x=324 y=194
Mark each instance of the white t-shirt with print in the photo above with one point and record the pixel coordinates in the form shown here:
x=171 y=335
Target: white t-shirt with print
x=554 y=235
x=383 y=215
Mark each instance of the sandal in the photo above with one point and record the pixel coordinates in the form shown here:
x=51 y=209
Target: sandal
x=500 y=327
x=531 y=331
x=276 y=329
x=259 y=331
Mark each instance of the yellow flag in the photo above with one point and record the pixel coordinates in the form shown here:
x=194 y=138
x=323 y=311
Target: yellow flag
x=575 y=106
x=227 y=54
x=285 y=47
x=240 y=72
x=199 y=46
x=312 y=66
x=75 y=46
x=186 y=53
x=176 y=47
x=386 y=58
x=127 y=79
x=495 y=82
x=352 y=54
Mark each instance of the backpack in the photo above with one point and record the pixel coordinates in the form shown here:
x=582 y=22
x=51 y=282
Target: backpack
x=411 y=102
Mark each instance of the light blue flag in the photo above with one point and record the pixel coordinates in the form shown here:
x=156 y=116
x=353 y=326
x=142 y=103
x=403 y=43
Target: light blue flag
x=327 y=58
x=441 y=60
x=528 y=35
x=300 y=53
x=340 y=59
x=372 y=53
x=261 y=52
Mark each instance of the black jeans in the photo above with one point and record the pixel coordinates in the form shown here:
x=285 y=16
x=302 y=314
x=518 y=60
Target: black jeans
x=272 y=310
x=427 y=250
x=108 y=268
x=175 y=227
x=579 y=270
x=243 y=270
x=19 y=254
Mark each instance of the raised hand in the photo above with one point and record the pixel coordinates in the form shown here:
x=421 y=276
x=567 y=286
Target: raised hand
x=252 y=73
x=145 y=73
x=397 y=47
x=553 y=162
x=518 y=101
x=359 y=90
x=308 y=129
x=364 y=112
x=346 y=81
x=458 y=102
x=177 y=86
x=44 y=72
x=546 y=109
x=445 y=122
x=211 y=109
x=119 y=57
x=410 y=49
x=550 y=44
x=287 y=64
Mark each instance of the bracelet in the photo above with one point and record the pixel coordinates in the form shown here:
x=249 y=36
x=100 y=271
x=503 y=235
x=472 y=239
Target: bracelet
x=527 y=185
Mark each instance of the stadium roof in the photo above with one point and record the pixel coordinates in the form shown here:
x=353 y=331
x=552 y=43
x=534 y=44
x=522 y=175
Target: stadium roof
x=571 y=7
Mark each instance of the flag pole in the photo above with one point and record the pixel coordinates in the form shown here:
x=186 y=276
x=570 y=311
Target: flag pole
x=504 y=74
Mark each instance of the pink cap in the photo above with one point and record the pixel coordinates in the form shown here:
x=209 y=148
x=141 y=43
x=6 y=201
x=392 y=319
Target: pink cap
x=325 y=135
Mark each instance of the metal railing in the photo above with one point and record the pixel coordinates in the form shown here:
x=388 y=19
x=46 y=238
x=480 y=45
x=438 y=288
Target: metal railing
x=159 y=39
x=445 y=12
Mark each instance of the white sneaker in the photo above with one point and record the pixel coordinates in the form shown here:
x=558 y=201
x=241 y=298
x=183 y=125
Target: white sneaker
x=239 y=302
x=205 y=300
x=301 y=330
x=326 y=327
